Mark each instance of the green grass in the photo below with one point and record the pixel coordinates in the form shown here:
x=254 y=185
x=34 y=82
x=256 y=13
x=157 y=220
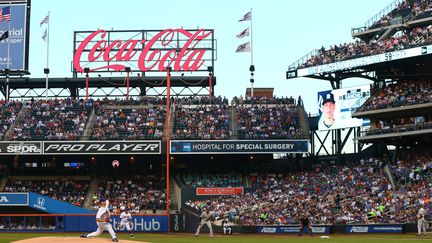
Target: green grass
x=238 y=238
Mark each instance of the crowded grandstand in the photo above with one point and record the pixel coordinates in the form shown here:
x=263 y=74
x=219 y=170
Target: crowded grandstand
x=251 y=160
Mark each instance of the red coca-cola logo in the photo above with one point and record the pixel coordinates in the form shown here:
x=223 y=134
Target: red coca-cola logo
x=113 y=53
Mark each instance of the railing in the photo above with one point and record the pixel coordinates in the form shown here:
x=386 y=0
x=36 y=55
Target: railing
x=398 y=130
x=377 y=16
x=303 y=60
x=360 y=102
x=383 y=12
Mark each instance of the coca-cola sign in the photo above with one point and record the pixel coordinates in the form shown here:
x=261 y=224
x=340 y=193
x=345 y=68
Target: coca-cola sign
x=180 y=49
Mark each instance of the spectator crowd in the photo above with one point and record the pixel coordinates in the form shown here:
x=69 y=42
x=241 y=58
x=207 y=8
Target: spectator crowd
x=52 y=120
x=140 y=194
x=354 y=193
x=209 y=118
x=66 y=190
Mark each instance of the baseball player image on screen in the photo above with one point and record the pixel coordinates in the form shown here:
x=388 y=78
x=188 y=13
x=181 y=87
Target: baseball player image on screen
x=126 y=221
x=103 y=222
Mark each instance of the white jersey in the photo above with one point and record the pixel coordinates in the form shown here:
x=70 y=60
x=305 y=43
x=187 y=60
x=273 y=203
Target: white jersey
x=421 y=213
x=102 y=213
x=125 y=217
x=205 y=217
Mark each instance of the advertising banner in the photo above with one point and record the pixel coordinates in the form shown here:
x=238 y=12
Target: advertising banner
x=20 y=148
x=13 y=25
x=140 y=223
x=318 y=229
x=49 y=205
x=364 y=61
x=102 y=147
x=177 y=223
x=383 y=228
x=144 y=51
x=335 y=107
x=14 y=199
x=206 y=191
x=238 y=146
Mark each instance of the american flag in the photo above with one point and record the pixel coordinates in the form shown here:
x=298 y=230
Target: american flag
x=5 y=14
x=45 y=20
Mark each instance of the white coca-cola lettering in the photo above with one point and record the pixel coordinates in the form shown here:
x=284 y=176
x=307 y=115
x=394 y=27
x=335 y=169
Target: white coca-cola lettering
x=185 y=58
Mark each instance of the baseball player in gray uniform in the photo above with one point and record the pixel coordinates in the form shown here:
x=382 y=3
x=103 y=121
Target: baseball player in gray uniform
x=206 y=217
x=421 y=221
x=103 y=222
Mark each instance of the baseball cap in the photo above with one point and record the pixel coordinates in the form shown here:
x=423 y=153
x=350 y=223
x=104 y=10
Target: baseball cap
x=329 y=97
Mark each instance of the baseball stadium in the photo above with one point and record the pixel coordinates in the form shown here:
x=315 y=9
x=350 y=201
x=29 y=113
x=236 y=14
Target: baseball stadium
x=192 y=121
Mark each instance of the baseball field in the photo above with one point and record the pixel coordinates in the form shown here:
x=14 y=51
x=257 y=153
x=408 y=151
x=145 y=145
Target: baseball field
x=184 y=238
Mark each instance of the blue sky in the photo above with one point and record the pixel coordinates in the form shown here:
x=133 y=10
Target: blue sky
x=283 y=32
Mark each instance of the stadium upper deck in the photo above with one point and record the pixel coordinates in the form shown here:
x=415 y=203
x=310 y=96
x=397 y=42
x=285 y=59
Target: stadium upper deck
x=215 y=119
x=380 y=41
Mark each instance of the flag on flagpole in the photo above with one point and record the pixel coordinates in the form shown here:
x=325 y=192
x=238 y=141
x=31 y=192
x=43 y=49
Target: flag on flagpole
x=45 y=20
x=244 y=47
x=44 y=35
x=4 y=36
x=247 y=16
x=243 y=33
x=5 y=14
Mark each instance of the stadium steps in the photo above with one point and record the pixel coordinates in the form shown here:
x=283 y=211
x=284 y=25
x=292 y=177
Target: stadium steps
x=172 y=112
x=303 y=120
x=387 y=170
x=90 y=125
x=3 y=182
x=418 y=40
x=387 y=33
x=21 y=115
x=91 y=191
x=175 y=195
x=233 y=122
x=171 y=121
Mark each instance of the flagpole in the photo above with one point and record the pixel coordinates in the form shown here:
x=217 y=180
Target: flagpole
x=47 y=58
x=252 y=68
x=251 y=38
x=8 y=53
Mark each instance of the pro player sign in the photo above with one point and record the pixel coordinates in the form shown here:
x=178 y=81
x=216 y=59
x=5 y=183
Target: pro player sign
x=103 y=147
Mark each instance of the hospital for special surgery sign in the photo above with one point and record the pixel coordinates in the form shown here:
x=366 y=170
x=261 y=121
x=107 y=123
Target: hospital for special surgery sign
x=182 y=50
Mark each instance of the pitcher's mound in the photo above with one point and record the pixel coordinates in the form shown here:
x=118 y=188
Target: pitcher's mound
x=70 y=239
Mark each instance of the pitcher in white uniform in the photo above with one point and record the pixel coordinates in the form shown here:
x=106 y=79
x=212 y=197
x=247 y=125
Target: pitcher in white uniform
x=103 y=222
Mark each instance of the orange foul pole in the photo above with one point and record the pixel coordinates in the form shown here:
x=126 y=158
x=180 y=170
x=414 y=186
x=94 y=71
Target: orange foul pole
x=168 y=133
